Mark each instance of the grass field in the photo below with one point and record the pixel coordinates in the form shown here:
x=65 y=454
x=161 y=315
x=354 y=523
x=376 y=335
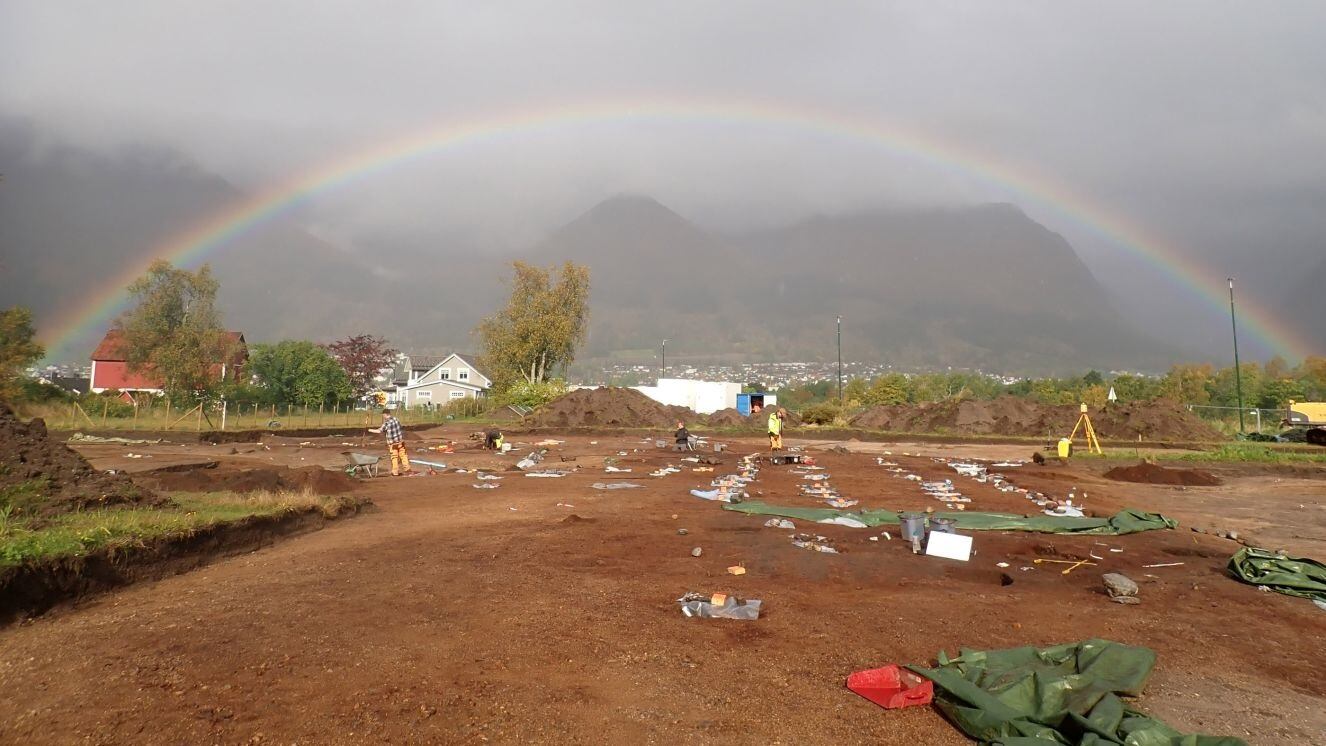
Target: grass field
x=24 y=538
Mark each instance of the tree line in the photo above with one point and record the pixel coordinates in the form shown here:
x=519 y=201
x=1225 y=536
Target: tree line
x=1267 y=386
x=173 y=331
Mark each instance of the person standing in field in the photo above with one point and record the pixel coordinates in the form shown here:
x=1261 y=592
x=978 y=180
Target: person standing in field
x=775 y=429
x=391 y=427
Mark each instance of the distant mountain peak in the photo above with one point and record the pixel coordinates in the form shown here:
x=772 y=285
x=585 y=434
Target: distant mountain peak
x=632 y=207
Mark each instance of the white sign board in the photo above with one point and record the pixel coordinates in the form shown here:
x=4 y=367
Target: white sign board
x=949 y=546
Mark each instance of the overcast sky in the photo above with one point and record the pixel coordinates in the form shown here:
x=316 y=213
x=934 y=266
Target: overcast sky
x=1203 y=122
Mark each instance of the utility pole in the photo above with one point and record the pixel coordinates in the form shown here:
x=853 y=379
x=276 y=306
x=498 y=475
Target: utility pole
x=840 y=359
x=665 y=359
x=1238 y=374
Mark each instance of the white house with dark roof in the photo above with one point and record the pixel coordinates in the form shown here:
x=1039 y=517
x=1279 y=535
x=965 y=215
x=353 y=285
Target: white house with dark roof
x=453 y=377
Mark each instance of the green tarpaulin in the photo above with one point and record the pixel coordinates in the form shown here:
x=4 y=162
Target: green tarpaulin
x=1123 y=522
x=1296 y=576
x=1066 y=694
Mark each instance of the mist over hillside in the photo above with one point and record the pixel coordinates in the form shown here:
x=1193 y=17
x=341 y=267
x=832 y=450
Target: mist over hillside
x=976 y=286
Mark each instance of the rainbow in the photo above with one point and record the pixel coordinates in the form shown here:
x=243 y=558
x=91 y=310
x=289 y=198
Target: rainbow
x=96 y=311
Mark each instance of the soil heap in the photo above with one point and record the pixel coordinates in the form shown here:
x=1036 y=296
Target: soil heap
x=1011 y=415
x=62 y=480
x=211 y=478
x=1149 y=473
x=608 y=406
x=756 y=420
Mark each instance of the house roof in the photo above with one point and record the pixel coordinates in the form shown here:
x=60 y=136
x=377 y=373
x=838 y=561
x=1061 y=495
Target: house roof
x=425 y=362
x=448 y=382
x=76 y=384
x=111 y=349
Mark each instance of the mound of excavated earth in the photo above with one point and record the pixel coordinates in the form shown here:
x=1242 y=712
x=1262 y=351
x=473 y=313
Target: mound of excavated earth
x=1148 y=473
x=63 y=481
x=1010 y=415
x=608 y=406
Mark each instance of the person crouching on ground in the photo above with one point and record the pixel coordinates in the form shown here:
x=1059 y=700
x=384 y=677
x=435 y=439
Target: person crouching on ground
x=493 y=440
x=391 y=427
x=775 y=429
x=683 y=437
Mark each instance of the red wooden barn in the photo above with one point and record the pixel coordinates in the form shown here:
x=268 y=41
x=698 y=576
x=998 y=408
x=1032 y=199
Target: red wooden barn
x=110 y=367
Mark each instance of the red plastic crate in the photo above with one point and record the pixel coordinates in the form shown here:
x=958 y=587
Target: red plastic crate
x=892 y=687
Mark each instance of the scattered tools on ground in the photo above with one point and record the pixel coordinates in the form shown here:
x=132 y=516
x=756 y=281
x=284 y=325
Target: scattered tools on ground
x=1075 y=563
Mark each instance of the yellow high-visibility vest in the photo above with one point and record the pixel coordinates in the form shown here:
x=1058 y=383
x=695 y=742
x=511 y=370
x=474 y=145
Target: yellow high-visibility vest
x=775 y=424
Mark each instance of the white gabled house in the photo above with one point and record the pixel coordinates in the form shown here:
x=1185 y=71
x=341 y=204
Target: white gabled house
x=454 y=377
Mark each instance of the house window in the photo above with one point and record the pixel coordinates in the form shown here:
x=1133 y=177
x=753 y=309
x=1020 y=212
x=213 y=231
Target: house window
x=457 y=395
x=463 y=374
x=423 y=394
x=445 y=374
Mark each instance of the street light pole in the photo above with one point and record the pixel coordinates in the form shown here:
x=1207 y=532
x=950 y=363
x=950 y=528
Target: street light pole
x=1238 y=374
x=665 y=359
x=840 y=359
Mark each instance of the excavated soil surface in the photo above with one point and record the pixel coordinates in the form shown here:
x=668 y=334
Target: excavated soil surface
x=1148 y=473
x=610 y=406
x=1010 y=415
x=213 y=478
x=27 y=453
x=461 y=615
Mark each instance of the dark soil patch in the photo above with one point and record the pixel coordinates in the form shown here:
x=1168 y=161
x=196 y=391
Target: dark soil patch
x=34 y=588
x=609 y=405
x=1012 y=415
x=254 y=436
x=28 y=455
x=211 y=478
x=1148 y=473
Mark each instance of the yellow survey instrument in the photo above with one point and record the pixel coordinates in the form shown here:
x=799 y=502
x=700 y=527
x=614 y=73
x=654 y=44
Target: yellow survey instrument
x=1084 y=424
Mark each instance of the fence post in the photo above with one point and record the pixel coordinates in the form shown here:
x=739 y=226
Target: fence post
x=168 y=414
x=105 y=405
x=200 y=417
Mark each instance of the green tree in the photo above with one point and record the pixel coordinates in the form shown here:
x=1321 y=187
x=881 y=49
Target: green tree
x=1093 y=378
x=1278 y=393
x=1311 y=375
x=1224 y=386
x=888 y=389
x=299 y=372
x=174 y=330
x=1188 y=383
x=855 y=390
x=1135 y=388
x=541 y=326
x=18 y=350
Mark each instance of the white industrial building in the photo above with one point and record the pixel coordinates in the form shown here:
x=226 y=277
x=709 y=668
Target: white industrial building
x=702 y=397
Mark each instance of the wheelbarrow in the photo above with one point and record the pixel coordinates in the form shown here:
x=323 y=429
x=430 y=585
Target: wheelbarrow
x=361 y=463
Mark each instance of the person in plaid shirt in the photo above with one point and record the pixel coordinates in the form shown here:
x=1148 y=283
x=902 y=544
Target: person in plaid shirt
x=391 y=427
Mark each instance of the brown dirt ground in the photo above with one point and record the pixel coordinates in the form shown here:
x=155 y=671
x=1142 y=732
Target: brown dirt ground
x=456 y=615
x=213 y=478
x=28 y=452
x=1012 y=415
x=1149 y=473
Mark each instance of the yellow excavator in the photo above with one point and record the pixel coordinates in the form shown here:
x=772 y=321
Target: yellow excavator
x=1309 y=415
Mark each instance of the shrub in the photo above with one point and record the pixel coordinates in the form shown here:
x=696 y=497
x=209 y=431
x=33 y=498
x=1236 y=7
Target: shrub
x=820 y=414
x=528 y=394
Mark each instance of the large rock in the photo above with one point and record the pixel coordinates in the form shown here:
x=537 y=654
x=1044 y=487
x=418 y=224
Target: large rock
x=1121 y=588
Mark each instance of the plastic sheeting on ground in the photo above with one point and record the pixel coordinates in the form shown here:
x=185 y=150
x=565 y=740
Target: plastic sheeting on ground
x=1123 y=522
x=1295 y=576
x=1065 y=694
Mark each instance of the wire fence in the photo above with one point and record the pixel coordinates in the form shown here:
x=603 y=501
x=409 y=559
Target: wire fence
x=161 y=415
x=1254 y=418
